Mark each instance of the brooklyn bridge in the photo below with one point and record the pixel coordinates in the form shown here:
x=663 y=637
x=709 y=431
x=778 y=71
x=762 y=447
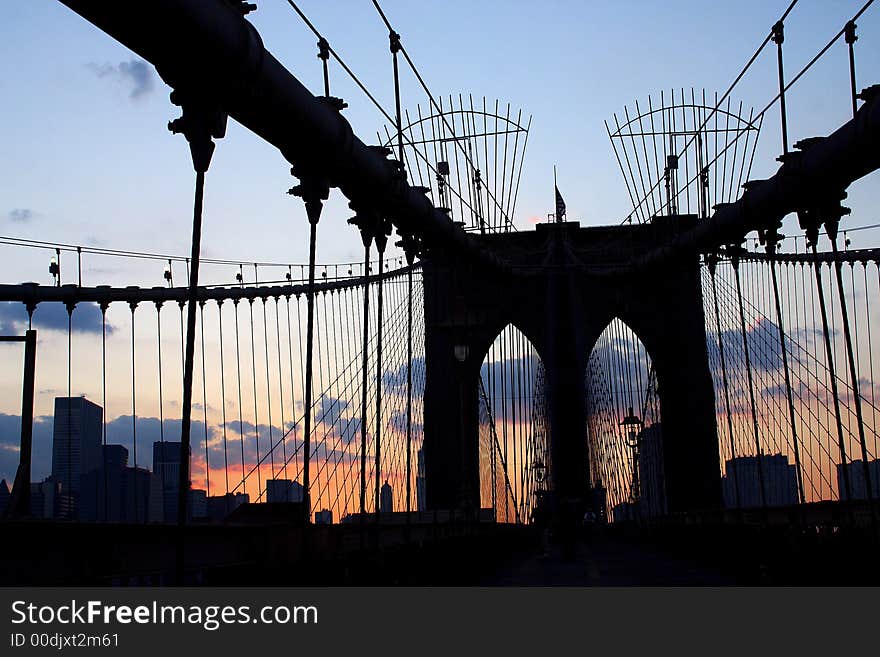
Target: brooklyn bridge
x=685 y=395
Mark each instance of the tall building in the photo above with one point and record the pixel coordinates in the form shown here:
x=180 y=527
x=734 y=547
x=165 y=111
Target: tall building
x=857 y=485
x=49 y=501
x=421 y=495
x=197 y=504
x=220 y=506
x=745 y=474
x=324 y=517
x=142 y=495
x=166 y=467
x=101 y=495
x=283 y=490
x=652 y=501
x=386 y=497
x=76 y=440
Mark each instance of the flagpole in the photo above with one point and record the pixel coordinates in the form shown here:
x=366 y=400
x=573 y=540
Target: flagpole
x=555 y=214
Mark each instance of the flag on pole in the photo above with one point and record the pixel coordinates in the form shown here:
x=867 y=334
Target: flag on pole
x=560 y=205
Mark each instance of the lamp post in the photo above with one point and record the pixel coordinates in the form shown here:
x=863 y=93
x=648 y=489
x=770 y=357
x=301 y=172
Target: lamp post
x=633 y=426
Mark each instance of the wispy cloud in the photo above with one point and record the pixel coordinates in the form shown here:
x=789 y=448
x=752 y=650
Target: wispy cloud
x=21 y=215
x=136 y=73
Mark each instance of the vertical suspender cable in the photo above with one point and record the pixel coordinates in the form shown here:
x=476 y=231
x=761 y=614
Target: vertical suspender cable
x=834 y=393
x=161 y=403
x=281 y=387
x=784 y=350
x=137 y=509
x=70 y=308
x=409 y=357
x=712 y=266
x=742 y=318
x=204 y=398
x=259 y=461
x=854 y=377
x=223 y=398
x=269 y=393
x=380 y=245
x=104 y=306
x=240 y=411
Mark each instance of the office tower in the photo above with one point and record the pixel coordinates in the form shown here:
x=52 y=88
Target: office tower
x=220 y=506
x=197 y=504
x=652 y=501
x=142 y=495
x=76 y=440
x=324 y=517
x=101 y=495
x=166 y=466
x=745 y=473
x=857 y=484
x=283 y=490
x=386 y=496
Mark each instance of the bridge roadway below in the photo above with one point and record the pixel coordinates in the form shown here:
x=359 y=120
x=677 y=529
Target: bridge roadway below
x=717 y=550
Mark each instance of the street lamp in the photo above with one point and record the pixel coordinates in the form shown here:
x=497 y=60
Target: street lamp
x=633 y=425
x=55 y=267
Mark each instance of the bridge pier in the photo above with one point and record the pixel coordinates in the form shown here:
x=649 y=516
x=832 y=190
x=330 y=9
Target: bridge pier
x=451 y=402
x=562 y=306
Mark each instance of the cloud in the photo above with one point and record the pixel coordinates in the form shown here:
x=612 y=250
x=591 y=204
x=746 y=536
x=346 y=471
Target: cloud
x=135 y=72
x=395 y=380
x=10 y=439
x=52 y=316
x=330 y=410
x=21 y=215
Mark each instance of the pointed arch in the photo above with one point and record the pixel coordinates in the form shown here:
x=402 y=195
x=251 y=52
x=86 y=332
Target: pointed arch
x=624 y=431
x=512 y=433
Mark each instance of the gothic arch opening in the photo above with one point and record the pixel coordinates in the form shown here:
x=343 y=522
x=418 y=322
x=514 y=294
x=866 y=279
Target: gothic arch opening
x=624 y=432
x=514 y=456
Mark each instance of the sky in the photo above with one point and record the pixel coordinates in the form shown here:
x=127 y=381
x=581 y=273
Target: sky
x=87 y=158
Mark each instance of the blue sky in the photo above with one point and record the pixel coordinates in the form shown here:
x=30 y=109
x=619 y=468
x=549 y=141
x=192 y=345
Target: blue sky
x=87 y=158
